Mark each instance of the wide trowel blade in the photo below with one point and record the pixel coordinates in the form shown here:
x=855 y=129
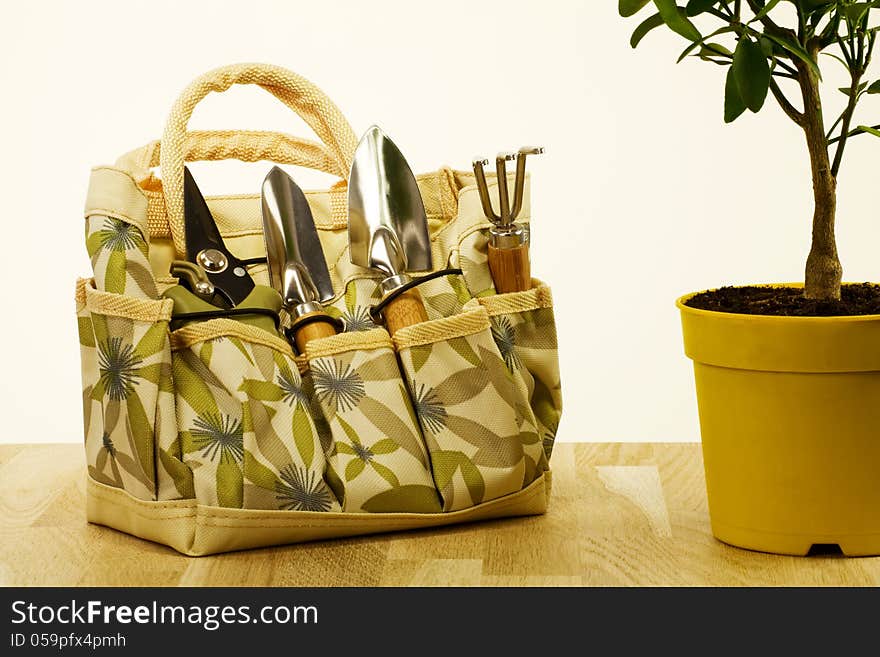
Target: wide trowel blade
x=385 y=206
x=291 y=237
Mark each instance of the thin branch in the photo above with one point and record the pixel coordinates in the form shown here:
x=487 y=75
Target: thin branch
x=786 y=67
x=785 y=104
x=768 y=22
x=834 y=127
x=853 y=133
x=847 y=119
x=802 y=23
x=782 y=74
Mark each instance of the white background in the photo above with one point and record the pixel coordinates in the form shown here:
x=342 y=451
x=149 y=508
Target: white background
x=643 y=194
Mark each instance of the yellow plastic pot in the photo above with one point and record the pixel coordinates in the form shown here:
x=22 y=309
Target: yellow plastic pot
x=790 y=423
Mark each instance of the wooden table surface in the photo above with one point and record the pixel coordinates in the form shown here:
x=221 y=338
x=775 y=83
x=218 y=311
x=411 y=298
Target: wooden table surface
x=620 y=515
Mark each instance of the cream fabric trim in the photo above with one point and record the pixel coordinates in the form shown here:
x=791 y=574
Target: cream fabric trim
x=197 y=530
x=437 y=189
x=437 y=330
x=187 y=336
x=377 y=338
x=517 y=302
x=117 y=305
x=115 y=193
x=82 y=284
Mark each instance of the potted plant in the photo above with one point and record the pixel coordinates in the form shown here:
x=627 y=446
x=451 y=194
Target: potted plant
x=788 y=375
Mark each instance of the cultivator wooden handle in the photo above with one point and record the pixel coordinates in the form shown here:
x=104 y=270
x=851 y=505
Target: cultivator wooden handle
x=511 y=268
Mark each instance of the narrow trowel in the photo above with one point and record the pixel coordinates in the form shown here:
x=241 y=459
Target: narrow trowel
x=297 y=268
x=388 y=227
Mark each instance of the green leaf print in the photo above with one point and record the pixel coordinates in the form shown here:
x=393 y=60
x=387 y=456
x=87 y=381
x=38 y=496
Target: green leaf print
x=412 y=498
x=86 y=334
x=462 y=386
x=230 y=485
x=419 y=355
x=303 y=434
x=153 y=341
x=141 y=432
x=193 y=382
x=270 y=445
x=257 y=473
x=385 y=473
x=143 y=278
x=463 y=348
x=114 y=273
x=262 y=390
x=354 y=468
x=238 y=344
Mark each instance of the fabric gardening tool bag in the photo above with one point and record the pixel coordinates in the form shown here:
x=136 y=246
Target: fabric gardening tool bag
x=213 y=434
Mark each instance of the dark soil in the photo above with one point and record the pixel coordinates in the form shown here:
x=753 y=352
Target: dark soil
x=855 y=299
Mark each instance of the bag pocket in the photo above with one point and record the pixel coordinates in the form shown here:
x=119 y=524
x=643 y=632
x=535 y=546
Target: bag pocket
x=245 y=426
x=473 y=412
x=378 y=459
x=524 y=328
x=126 y=361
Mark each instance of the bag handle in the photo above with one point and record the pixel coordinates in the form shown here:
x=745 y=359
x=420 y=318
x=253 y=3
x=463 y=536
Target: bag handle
x=244 y=145
x=303 y=97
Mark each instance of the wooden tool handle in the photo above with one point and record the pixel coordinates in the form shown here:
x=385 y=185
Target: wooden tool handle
x=308 y=331
x=406 y=310
x=511 y=268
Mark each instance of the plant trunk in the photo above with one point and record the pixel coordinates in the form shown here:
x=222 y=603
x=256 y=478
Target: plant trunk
x=823 y=271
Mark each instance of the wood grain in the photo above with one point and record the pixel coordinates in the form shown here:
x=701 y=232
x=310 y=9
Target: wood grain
x=406 y=310
x=304 y=333
x=511 y=268
x=621 y=515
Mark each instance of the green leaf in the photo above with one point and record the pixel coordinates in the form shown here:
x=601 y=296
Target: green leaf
x=752 y=73
x=676 y=20
x=766 y=10
x=846 y=90
x=797 y=50
x=856 y=11
x=644 y=27
x=870 y=130
x=697 y=7
x=628 y=8
x=717 y=47
x=874 y=88
x=733 y=102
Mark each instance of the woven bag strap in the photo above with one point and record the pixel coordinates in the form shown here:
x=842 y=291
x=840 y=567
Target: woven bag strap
x=303 y=97
x=244 y=145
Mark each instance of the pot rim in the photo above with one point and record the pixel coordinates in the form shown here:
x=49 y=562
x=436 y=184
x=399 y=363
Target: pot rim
x=681 y=305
